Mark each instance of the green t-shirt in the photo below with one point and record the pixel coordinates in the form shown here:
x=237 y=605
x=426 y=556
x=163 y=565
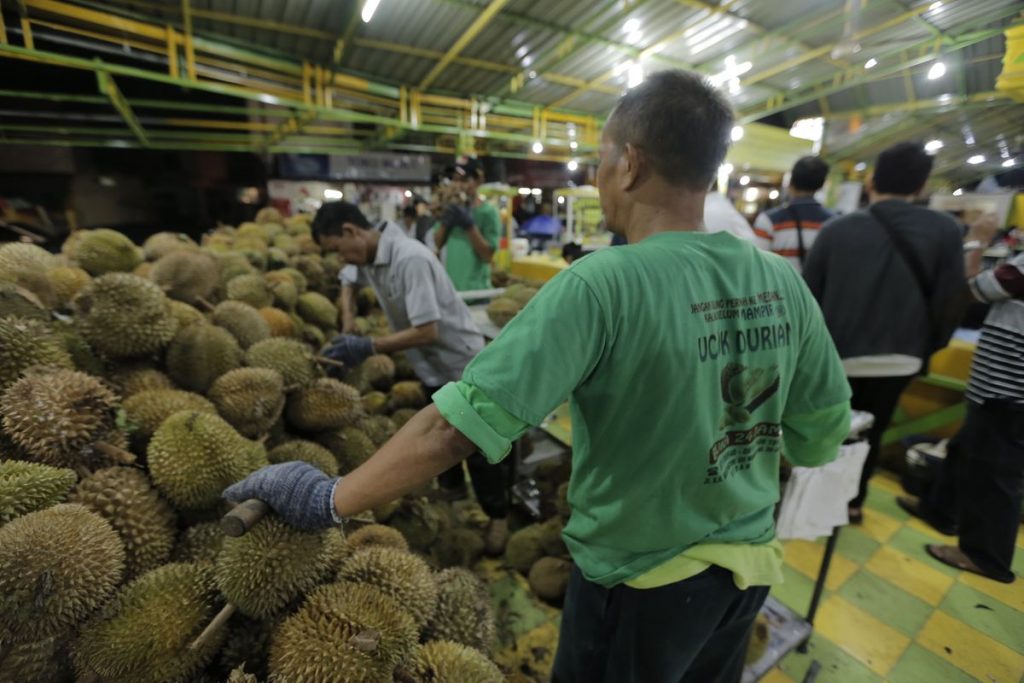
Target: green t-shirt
x=691 y=360
x=464 y=267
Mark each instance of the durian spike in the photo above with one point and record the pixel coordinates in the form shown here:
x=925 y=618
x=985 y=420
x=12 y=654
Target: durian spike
x=205 y=304
x=115 y=453
x=323 y=360
x=243 y=517
x=214 y=626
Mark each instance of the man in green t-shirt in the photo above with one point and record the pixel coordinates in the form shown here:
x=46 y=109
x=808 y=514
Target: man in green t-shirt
x=691 y=361
x=470 y=248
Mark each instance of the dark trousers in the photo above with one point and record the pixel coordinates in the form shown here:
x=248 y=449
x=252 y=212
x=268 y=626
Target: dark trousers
x=693 y=631
x=878 y=396
x=491 y=483
x=983 y=485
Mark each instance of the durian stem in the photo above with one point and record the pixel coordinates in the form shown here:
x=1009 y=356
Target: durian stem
x=365 y=641
x=330 y=362
x=115 y=453
x=204 y=303
x=243 y=516
x=216 y=625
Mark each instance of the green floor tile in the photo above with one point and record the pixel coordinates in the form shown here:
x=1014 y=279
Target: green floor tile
x=795 y=592
x=1018 y=562
x=912 y=543
x=986 y=614
x=855 y=545
x=836 y=665
x=889 y=604
x=885 y=502
x=515 y=611
x=918 y=665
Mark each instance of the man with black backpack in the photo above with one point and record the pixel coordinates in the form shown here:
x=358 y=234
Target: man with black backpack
x=890 y=282
x=790 y=230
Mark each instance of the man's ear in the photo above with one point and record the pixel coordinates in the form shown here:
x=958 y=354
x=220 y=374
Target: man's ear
x=630 y=165
x=349 y=230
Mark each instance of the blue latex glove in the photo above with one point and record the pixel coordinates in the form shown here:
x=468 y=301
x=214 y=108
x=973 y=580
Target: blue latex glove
x=299 y=493
x=349 y=349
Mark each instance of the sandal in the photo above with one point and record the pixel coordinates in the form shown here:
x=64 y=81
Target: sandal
x=912 y=506
x=952 y=556
x=856 y=515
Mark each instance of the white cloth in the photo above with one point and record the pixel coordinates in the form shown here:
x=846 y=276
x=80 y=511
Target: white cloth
x=721 y=216
x=816 y=498
x=882 y=365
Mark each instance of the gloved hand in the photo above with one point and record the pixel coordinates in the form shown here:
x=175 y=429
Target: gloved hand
x=299 y=493
x=349 y=349
x=455 y=216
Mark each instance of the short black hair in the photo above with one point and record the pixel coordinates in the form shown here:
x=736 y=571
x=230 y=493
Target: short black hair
x=902 y=169
x=333 y=215
x=809 y=174
x=572 y=249
x=681 y=123
x=409 y=211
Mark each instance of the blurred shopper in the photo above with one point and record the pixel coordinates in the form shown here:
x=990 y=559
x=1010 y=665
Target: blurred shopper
x=470 y=246
x=690 y=360
x=790 y=230
x=979 y=486
x=721 y=216
x=409 y=221
x=890 y=281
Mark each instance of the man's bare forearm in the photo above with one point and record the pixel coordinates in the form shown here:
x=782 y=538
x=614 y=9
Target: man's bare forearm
x=347 y=305
x=422 y=449
x=483 y=250
x=407 y=339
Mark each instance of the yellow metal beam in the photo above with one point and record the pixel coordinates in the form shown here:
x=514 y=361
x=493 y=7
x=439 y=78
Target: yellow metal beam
x=190 y=49
x=3 y=30
x=472 y=32
x=26 y=34
x=109 y=88
x=111 y=22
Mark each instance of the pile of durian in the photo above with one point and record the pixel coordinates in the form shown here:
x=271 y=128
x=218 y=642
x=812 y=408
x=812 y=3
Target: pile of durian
x=136 y=383
x=517 y=294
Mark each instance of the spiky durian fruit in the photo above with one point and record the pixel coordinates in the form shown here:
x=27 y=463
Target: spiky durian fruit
x=18 y=256
x=37 y=283
x=269 y=214
x=280 y=323
x=252 y=289
x=443 y=660
x=246 y=647
x=312 y=267
x=251 y=399
x=57 y=415
x=293 y=359
x=344 y=631
x=324 y=404
x=317 y=309
x=314 y=336
x=398 y=574
x=502 y=310
x=372 y=535
x=199 y=354
x=194 y=456
x=350 y=447
x=186 y=276
x=200 y=542
x=67 y=281
x=521 y=294
x=106 y=251
x=306 y=451
x=56 y=566
x=147 y=410
x=380 y=371
x=143 y=635
x=241 y=320
x=549 y=578
x=82 y=355
x=37 y=661
x=124 y=316
x=285 y=293
x=163 y=243
x=17 y=302
x=457 y=547
x=28 y=486
x=135 y=378
x=407 y=394
x=464 y=613
x=186 y=314
x=375 y=403
x=232 y=264
x=271 y=565
x=403 y=368
x=533 y=542
x=25 y=343
x=291 y=275
x=379 y=428
x=145 y=522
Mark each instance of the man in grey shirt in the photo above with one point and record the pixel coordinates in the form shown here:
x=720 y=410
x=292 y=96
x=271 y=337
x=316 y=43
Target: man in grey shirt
x=430 y=323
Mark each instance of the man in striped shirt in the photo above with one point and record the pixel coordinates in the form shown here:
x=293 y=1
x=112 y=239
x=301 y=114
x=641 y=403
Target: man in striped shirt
x=980 y=485
x=790 y=230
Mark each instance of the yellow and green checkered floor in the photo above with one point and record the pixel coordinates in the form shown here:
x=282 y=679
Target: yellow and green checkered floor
x=889 y=612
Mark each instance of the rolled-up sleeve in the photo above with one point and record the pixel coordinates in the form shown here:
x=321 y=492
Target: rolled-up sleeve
x=479 y=419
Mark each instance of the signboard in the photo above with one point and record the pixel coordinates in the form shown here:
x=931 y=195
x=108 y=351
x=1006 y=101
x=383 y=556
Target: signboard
x=365 y=166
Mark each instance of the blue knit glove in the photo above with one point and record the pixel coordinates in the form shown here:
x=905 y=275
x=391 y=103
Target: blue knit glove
x=349 y=349
x=455 y=216
x=299 y=493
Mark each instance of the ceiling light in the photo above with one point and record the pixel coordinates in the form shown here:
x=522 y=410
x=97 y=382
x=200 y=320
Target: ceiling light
x=744 y=180
x=538 y=147
x=535 y=192
x=330 y=193
x=561 y=199
x=572 y=130
x=871 y=63
x=522 y=51
x=725 y=168
x=808 y=129
x=933 y=146
x=957 y=192
x=976 y=159
x=369 y=7
x=526 y=61
x=1009 y=163
x=636 y=76
x=938 y=70
x=860 y=166
x=573 y=144
x=532 y=75
x=730 y=75
x=935 y=6
x=631 y=26
x=737 y=133
x=750 y=194
x=573 y=165
x=622 y=68
x=408 y=194
x=635 y=37
x=524 y=191
x=774 y=194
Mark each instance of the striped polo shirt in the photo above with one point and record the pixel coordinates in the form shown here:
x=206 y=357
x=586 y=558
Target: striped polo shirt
x=776 y=230
x=998 y=369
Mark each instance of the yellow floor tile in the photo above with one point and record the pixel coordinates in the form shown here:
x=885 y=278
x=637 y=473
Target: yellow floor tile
x=776 y=676
x=914 y=577
x=888 y=483
x=874 y=643
x=805 y=557
x=970 y=650
x=1011 y=594
x=917 y=525
x=1020 y=537
x=879 y=526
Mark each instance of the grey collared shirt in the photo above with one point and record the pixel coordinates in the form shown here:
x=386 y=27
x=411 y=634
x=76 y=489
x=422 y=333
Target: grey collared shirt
x=414 y=289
